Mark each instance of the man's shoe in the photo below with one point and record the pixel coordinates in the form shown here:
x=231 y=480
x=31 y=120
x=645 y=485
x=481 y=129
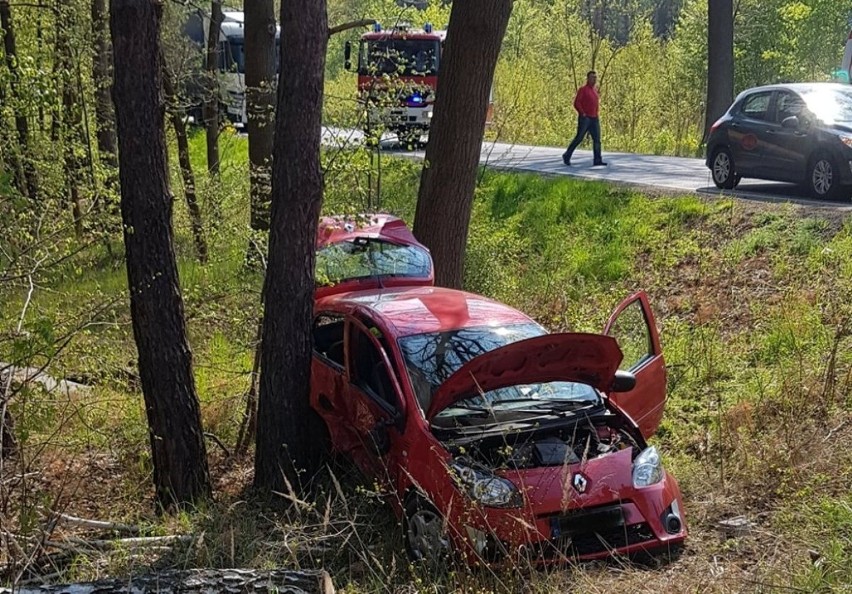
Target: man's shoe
x=599 y=164
x=566 y=161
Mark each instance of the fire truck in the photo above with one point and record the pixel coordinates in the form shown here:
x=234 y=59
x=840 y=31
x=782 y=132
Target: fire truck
x=398 y=77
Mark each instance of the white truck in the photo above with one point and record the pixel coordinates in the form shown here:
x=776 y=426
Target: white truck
x=232 y=63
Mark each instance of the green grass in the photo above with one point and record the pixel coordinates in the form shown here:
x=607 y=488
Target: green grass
x=753 y=302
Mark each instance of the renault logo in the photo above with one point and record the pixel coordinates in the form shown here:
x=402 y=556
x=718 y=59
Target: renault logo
x=580 y=483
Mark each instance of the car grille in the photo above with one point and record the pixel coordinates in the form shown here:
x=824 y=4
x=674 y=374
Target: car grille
x=591 y=531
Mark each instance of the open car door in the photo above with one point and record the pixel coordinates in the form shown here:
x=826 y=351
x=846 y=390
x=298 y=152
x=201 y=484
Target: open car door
x=632 y=325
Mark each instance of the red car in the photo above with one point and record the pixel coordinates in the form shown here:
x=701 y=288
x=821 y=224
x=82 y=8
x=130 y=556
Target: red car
x=496 y=438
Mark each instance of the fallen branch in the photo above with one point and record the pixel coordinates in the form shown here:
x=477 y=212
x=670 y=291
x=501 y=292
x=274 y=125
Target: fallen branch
x=197 y=581
x=97 y=524
x=135 y=542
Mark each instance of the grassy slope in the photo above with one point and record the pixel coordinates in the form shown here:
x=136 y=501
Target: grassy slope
x=753 y=302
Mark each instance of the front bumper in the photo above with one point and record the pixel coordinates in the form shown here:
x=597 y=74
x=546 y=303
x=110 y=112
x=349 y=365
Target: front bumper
x=626 y=521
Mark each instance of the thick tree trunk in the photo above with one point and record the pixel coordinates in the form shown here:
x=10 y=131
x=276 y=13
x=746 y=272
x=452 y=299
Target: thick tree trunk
x=211 y=96
x=29 y=184
x=176 y=114
x=260 y=104
x=199 y=581
x=720 y=60
x=287 y=430
x=156 y=306
x=102 y=77
x=455 y=137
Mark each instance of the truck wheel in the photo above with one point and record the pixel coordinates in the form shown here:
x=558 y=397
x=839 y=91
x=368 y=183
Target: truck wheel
x=424 y=533
x=823 y=179
x=722 y=167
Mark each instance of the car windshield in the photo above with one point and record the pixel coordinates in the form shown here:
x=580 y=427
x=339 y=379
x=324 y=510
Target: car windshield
x=832 y=106
x=399 y=56
x=433 y=357
x=238 y=53
x=369 y=258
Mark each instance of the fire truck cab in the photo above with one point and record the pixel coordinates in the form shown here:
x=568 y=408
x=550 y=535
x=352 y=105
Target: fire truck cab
x=398 y=77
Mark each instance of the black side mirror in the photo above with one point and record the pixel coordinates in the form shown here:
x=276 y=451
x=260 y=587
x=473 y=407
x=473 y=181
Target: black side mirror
x=624 y=381
x=347 y=55
x=790 y=123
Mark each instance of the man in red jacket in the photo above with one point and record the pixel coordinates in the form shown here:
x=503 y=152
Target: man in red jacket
x=586 y=103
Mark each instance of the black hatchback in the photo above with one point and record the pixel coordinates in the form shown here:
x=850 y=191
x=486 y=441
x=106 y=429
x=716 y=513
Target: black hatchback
x=799 y=133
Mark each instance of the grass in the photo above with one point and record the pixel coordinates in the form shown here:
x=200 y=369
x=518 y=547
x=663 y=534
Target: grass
x=754 y=304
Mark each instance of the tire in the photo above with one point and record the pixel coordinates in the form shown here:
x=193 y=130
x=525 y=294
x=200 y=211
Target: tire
x=722 y=169
x=823 y=177
x=424 y=534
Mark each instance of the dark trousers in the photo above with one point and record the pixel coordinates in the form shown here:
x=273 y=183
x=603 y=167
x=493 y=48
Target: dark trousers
x=592 y=127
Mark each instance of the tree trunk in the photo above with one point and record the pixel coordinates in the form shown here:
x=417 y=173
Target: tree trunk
x=71 y=120
x=260 y=104
x=720 y=60
x=211 y=96
x=156 y=307
x=29 y=184
x=176 y=113
x=287 y=426
x=452 y=156
x=198 y=581
x=102 y=78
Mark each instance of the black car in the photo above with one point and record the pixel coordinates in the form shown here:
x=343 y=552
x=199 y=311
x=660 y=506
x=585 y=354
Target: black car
x=798 y=133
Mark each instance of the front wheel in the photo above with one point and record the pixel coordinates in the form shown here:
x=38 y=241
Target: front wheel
x=823 y=179
x=424 y=533
x=722 y=167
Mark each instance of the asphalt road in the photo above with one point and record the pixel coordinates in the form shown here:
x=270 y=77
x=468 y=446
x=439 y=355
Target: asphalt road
x=674 y=174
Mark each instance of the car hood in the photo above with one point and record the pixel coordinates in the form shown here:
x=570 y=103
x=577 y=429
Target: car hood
x=586 y=358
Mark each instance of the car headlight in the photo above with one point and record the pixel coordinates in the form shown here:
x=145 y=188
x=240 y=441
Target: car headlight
x=647 y=468
x=847 y=140
x=485 y=487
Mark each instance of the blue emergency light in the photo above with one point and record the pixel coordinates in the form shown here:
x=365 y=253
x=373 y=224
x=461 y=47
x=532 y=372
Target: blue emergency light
x=377 y=27
x=427 y=27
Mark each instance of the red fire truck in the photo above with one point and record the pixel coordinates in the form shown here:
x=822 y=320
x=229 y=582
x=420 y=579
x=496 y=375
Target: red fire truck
x=397 y=78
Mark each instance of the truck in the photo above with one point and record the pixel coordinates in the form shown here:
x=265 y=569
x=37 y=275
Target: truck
x=397 y=78
x=231 y=62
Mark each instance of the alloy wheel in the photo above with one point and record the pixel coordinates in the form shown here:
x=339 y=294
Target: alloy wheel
x=822 y=177
x=426 y=538
x=721 y=167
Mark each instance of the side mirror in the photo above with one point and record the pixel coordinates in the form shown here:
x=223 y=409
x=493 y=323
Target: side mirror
x=624 y=381
x=790 y=123
x=347 y=55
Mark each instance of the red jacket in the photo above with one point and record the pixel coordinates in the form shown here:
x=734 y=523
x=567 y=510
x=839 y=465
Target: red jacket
x=587 y=101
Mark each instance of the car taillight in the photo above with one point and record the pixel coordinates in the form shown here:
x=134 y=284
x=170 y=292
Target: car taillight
x=716 y=125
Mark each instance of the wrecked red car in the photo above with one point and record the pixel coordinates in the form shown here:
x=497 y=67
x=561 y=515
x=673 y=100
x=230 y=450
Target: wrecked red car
x=494 y=438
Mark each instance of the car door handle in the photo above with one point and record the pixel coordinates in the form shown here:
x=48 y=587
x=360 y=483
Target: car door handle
x=325 y=403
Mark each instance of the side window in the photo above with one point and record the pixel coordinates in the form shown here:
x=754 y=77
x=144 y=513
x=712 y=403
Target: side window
x=328 y=337
x=787 y=105
x=756 y=106
x=633 y=335
x=368 y=369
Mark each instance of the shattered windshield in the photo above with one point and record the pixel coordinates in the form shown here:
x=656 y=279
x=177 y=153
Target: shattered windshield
x=433 y=357
x=370 y=258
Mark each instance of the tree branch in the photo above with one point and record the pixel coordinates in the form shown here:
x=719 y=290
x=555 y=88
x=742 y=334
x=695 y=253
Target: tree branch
x=350 y=25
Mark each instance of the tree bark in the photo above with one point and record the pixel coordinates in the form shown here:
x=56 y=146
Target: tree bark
x=71 y=120
x=29 y=184
x=720 y=61
x=260 y=104
x=448 y=179
x=176 y=113
x=211 y=96
x=156 y=307
x=199 y=581
x=287 y=426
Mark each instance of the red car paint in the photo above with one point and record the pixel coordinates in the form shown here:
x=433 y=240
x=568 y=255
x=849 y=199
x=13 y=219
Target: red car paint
x=404 y=448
